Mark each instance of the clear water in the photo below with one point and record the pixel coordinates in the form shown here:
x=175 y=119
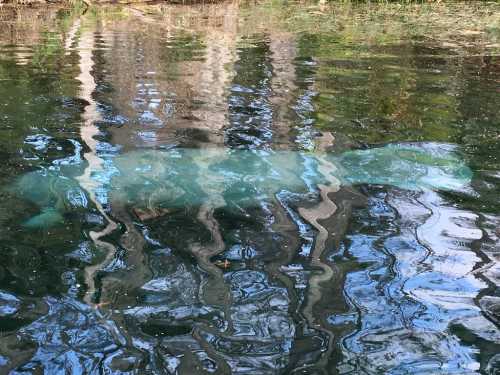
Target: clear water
x=267 y=188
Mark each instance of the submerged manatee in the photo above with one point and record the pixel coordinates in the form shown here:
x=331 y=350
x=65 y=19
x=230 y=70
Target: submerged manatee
x=181 y=177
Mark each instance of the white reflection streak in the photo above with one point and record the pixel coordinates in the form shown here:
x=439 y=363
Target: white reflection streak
x=71 y=37
x=88 y=131
x=325 y=209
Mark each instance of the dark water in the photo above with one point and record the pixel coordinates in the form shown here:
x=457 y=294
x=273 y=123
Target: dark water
x=250 y=189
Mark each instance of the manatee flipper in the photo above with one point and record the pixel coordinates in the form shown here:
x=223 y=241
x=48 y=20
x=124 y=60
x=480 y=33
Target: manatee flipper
x=47 y=218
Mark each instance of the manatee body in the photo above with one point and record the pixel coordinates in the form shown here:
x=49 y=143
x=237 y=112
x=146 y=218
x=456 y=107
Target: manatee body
x=191 y=177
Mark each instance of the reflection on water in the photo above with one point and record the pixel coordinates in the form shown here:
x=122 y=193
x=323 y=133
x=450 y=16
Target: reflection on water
x=239 y=188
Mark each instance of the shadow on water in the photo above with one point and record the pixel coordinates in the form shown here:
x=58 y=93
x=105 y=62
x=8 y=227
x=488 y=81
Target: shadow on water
x=236 y=188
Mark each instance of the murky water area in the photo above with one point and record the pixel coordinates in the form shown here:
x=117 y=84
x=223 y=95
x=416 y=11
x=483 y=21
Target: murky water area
x=264 y=188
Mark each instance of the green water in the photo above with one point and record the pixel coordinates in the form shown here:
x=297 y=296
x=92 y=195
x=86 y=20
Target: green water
x=265 y=188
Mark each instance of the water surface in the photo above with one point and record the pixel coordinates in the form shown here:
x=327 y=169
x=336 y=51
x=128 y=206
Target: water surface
x=271 y=188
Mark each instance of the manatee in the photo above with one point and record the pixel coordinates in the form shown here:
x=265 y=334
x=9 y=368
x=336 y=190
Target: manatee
x=182 y=177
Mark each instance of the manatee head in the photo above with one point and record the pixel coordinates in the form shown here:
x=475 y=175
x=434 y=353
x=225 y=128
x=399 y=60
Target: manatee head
x=411 y=166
